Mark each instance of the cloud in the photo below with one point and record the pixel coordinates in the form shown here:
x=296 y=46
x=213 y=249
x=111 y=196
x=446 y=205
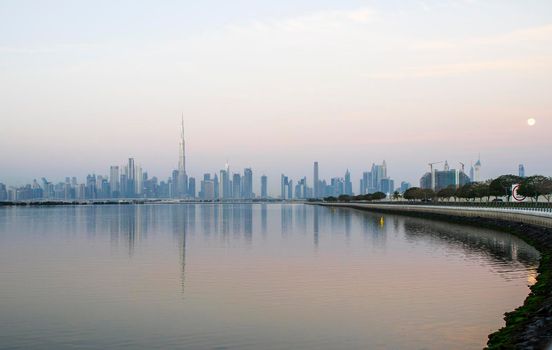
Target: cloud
x=537 y=64
x=321 y=20
x=520 y=36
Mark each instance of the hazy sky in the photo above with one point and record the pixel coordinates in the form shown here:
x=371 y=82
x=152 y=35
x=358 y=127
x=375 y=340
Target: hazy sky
x=85 y=85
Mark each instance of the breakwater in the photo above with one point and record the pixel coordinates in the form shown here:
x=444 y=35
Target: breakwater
x=530 y=325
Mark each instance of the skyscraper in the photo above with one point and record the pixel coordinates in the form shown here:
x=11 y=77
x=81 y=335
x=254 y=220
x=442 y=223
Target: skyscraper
x=236 y=186
x=224 y=186
x=348 y=184
x=283 y=187
x=247 y=186
x=264 y=187
x=216 y=187
x=113 y=181
x=191 y=188
x=182 y=176
x=477 y=168
x=131 y=179
x=315 y=184
x=521 y=170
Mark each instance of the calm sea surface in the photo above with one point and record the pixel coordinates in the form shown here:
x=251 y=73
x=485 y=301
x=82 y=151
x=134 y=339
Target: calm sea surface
x=251 y=276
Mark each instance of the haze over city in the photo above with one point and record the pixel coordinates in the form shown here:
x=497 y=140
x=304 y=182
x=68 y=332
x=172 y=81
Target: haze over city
x=274 y=87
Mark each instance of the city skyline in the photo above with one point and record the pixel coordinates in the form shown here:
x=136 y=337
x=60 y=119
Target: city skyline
x=131 y=180
x=358 y=185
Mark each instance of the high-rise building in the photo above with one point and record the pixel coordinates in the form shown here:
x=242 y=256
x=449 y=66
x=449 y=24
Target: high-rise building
x=443 y=178
x=264 y=187
x=521 y=170
x=366 y=182
x=236 y=186
x=387 y=186
x=139 y=181
x=225 y=192
x=477 y=168
x=405 y=186
x=131 y=180
x=378 y=173
x=191 y=188
x=3 y=192
x=284 y=183
x=208 y=190
x=183 y=190
x=348 y=184
x=114 y=181
x=174 y=184
x=216 y=187
x=247 y=185
x=315 y=185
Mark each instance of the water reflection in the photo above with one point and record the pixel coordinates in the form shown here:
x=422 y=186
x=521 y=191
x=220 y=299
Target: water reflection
x=250 y=275
x=129 y=224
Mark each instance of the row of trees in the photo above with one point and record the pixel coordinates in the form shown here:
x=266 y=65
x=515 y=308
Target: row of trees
x=532 y=187
x=365 y=197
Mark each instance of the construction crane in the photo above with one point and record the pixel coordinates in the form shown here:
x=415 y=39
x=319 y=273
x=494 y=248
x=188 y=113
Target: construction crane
x=431 y=174
x=432 y=164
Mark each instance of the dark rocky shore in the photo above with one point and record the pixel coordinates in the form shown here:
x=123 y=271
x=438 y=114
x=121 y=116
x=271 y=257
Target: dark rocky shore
x=530 y=325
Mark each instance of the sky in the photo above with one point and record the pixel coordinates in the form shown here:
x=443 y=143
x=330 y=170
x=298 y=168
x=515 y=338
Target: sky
x=274 y=86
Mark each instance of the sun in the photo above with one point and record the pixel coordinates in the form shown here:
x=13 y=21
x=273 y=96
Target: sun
x=531 y=121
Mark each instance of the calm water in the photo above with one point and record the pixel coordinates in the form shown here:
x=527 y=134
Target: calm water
x=251 y=277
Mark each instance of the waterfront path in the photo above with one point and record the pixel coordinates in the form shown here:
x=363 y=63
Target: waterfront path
x=533 y=216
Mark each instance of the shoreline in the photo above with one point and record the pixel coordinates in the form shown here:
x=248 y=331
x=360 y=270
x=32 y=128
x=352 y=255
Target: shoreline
x=530 y=325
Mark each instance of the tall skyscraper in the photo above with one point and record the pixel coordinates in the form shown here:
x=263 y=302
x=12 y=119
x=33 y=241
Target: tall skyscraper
x=521 y=170
x=236 y=186
x=216 y=187
x=131 y=179
x=264 y=187
x=315 y=185
x=348 y=184
x=477 y=169
x=139 y=183
x=113 y=181
x=192 y=188
x=225 y=191
x=182 y=176
x=247 y=186
x=284 y=187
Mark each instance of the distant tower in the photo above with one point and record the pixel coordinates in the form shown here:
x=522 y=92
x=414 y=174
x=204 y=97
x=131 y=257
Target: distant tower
x=182 y=176
x=521 y=170
x=447 y=168
x=264 y=187
x=182 y=149
x=477 y=170
x=315 y=186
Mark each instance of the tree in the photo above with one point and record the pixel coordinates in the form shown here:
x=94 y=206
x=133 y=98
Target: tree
x=536 y=186
x=428 y=193
x=413 y=193
x=446 y=193
x=344 y=198
x=545 y=187
x=502 y=185
x=396 y=195
x=466 y=192
x=378 y=196
x=481 y=189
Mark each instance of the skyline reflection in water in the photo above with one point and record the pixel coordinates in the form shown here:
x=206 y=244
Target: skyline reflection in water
x=251 y=276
